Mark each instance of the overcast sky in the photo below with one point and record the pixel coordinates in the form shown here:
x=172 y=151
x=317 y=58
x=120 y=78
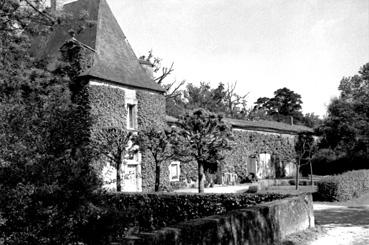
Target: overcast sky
x=304 y=45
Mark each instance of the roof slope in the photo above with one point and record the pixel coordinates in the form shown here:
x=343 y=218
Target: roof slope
x=262 y=125
x=269 y=126
x=114 y=59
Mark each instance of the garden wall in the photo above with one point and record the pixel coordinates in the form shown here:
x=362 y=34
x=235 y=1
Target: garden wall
x=262 y=224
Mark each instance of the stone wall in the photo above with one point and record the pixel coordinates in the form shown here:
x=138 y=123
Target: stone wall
x=262 y=224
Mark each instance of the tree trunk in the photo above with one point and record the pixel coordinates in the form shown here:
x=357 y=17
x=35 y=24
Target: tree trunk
x=157 y=177
x=297 y=174
x=201 y=177
x=119 y=186
x=311 y=173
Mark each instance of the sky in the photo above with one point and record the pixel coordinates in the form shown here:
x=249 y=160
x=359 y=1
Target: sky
x=304 y=45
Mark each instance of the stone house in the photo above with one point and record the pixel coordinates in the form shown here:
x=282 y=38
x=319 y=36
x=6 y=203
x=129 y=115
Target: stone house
x=117 y=86
x=264 y=148
x=120 y=92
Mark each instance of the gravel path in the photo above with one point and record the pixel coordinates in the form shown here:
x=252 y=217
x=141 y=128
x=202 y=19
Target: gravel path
x=344 y=225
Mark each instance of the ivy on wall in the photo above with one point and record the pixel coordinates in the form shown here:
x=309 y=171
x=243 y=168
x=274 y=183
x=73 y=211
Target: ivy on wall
x=151 y=113
x=251 y=144
x=151 y=110
x=107 y=106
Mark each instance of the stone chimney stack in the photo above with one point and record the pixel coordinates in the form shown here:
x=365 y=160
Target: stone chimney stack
x=148 y=67
x=57 y=5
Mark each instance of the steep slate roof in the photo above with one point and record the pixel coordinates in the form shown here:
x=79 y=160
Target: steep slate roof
x=262 y=125
x=114 y=59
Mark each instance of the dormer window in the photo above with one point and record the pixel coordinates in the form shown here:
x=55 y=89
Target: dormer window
x=131 y=116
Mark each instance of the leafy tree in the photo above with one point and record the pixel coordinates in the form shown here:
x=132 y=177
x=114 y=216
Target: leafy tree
x=285 y=105
x=204 y=137
x=311 y=120
x=115 y=145
x=204 y=97
x=305 y=148
x=222 y=99
x=345 y=130
x=46 y=181
x=159 y=143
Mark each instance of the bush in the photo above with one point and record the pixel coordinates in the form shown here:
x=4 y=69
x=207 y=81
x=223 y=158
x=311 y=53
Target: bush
x=345 y=186
x=178 y=185
x=147 y=212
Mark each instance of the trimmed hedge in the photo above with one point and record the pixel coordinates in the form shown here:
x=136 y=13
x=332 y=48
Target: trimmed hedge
x=345 y=186
x=152 y=211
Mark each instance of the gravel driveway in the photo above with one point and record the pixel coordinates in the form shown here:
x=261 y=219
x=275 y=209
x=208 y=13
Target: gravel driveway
x=344 y=225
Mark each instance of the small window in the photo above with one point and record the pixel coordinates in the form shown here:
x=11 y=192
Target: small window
x=174 y=171
x=131 y=116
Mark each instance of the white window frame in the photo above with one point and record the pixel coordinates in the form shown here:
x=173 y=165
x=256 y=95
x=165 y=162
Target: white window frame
x=174 y=176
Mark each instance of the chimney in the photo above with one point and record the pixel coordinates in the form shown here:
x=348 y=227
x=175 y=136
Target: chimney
x=57 y=5
x=148 y=67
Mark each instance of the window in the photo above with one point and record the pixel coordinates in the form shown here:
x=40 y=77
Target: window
x=131 y=116
x=174 y=171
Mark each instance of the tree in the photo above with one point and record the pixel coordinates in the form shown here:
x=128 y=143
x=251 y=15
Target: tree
x=159 y=143
x=45 y=174
x=345 y=129
x=285 y=105
x=116 y=145
x=204 y=136
x=235 y=103
x=311 y=120
x=204 y=97
x=222 y=99
x=173 y=93
x=305 y=147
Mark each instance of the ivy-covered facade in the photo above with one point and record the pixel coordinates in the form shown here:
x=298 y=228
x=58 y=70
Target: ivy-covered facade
x=114 y=87
x=263 y=148
x=120 y=92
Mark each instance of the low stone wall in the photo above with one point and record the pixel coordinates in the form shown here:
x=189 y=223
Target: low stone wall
x=263 y=224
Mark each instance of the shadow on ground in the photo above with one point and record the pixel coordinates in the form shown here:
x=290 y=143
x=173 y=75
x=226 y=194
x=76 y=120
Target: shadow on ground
x=345 y=216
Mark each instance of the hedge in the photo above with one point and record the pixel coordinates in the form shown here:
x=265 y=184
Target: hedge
x=151 y=211
x=345 y=186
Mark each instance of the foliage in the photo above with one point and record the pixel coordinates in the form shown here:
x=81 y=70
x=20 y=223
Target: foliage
x=285 y=104
x=248 y=145
x=159 y=144
x=222 y=99
x=345 y=186
x=173 y=93
x=153 y=211
x=46 y=181
x=305 y=148
x=115 y=145
x=346 y=128
x=203 y=136
x=311 y=120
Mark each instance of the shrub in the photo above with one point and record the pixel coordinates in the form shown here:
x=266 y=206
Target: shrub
x=345 y=186
x=147 y=212
x=178 y=185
